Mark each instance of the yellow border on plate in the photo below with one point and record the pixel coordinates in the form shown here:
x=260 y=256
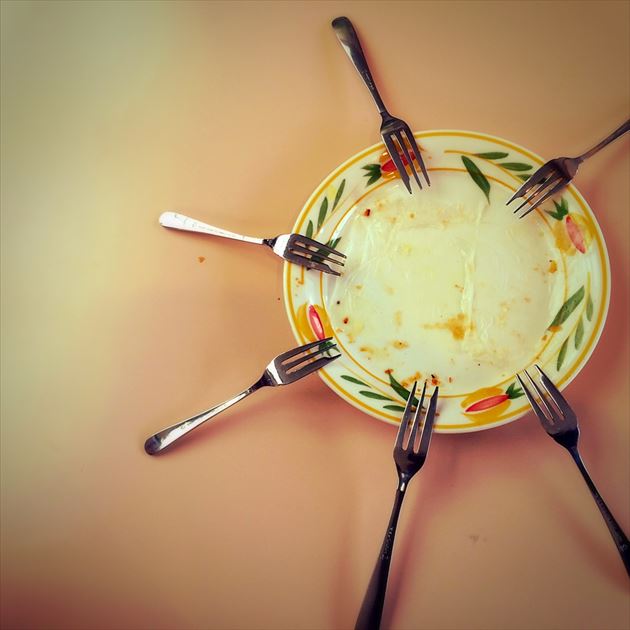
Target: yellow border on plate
x=587 y=215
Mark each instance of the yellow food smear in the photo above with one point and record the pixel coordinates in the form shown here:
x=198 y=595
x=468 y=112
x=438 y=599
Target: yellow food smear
x=457 y=325
x=553 y=266
x=414 y=377
x=400 y=344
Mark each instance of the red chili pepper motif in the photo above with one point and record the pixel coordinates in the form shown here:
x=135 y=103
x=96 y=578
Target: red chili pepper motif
x=316 y=323
x=575 y=234
x=487 y=403
x=390 y=167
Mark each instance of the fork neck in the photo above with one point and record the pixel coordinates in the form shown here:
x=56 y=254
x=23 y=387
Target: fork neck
x=607 y=140
x=403 y=482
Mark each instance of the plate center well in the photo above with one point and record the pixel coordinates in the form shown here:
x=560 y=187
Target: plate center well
x=443 y=284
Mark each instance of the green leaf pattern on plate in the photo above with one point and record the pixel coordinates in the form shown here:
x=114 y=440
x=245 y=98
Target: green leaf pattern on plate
x=373 y=173
x=323 y=209
x=352 y=379
x=561 y=209
x=368 y=394
x=562 y=354
x=589 y=308
x=394 y=408
x=516 y=166
x=579 y=334
x=339 y=193
x=478 y=177
x=324 y=214
x=333 y=242
x=402 y=391
x=567 y=308
x=579 y=329
x=514 y=391
x=398 y=388
x=492 y=155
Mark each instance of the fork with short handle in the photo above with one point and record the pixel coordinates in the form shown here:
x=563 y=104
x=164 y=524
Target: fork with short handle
x=394 y=131
x=551 y=177
x=560 y=422
x=295 y=248
x=409 y=461
x=286 y=368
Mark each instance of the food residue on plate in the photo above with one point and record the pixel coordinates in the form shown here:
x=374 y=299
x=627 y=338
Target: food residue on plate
x=446 y=261
x=457 y=325
x=406 y=382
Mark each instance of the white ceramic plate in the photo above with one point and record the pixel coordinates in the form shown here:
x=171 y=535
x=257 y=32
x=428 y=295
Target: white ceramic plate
x=447 y=285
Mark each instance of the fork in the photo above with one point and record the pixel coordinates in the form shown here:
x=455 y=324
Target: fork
x=286 y=368
x=560 y=422
x=551 y=177
x=409 y=461
x=392 y=128
x=295 y=248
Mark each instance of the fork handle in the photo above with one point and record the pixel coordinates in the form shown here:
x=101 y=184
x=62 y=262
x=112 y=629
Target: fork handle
x=187 y=224
x=618 y=535
x=372 y=607
x=606 y=141
x=350 y=41
x=165 y=438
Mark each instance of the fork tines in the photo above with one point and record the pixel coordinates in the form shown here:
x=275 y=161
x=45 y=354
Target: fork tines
x=398 y=144
x=553 y=409
x=312 y=254
x=544 y=183
x=303 y=360
x=412 y=416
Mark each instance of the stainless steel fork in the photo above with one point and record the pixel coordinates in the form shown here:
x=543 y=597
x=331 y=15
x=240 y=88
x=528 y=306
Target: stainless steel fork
x=551 y=177
x=286 y=368
x=396 y=134
x=295 y=248
x=409 y=461
x=560 y=422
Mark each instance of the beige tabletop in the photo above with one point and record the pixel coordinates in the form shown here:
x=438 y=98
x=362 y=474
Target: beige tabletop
x=113 y=327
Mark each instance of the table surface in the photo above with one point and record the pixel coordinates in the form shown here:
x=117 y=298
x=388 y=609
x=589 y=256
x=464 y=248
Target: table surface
x=112 y=327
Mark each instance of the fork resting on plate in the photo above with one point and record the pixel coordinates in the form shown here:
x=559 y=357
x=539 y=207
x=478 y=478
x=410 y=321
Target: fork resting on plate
x=397 y=136
x=551 y=177
x=560 y=422
x=286 y=368
x=409 y=461
x=295 y=248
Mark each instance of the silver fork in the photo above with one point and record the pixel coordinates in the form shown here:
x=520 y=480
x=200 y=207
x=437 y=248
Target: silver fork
x=295 y=248
x=551 y=177
x=560 y=422
x=395 y=132
x=286 y=368
x=409 y=461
